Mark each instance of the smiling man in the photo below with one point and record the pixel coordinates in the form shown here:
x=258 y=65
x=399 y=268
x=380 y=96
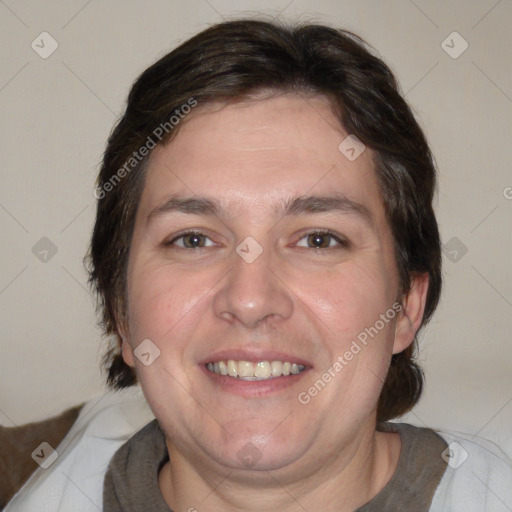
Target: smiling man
x=265 y=251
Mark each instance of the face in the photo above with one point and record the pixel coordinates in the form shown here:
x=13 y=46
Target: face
x=260 y=255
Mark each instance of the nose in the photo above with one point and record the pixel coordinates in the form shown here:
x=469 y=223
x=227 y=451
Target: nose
x=253 y=293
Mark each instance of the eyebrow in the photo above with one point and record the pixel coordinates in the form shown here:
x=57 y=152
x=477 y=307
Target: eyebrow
x=294 y=206
x=338 y=203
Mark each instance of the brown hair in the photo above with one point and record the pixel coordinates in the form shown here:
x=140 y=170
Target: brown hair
x=229 y=62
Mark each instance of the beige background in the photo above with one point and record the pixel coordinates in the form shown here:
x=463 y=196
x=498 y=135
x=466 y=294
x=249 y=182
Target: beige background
x=56 y=114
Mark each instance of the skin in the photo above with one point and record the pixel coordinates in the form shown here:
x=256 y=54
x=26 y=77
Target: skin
x=295 y=298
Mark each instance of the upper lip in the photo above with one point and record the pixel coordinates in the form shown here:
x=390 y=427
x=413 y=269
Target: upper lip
x=253 y=356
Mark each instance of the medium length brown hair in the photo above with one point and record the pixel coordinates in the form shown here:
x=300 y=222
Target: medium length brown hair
x=230 y=62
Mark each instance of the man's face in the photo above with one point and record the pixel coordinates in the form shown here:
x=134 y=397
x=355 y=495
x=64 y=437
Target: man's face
x=266 y=176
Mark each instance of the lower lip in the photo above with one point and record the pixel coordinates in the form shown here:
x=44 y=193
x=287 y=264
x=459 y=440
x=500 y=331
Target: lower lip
x=253 y=388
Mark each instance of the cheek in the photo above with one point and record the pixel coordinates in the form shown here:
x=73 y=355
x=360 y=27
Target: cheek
x=165 y=307
x=346 y=306
x=159 y=300
x=347 y=300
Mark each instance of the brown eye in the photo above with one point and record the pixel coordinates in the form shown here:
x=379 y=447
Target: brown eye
x=323 y=240
x=191 y=241
x=319 y=240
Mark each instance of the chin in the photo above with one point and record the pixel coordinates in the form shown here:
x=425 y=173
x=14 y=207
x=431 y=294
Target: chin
x=258 y=453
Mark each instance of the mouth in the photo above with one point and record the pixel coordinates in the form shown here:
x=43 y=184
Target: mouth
x=254 y=371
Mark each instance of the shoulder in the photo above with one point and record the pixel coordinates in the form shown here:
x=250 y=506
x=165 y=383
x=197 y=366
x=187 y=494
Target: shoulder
x=478 y=476
x=138 y=447
x=75 y=480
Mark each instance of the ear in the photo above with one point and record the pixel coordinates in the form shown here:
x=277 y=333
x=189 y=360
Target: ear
x=127 y=352
x=413 y=307
x=126 y=347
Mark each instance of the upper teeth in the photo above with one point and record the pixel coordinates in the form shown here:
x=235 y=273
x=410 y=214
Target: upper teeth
x=246 y=370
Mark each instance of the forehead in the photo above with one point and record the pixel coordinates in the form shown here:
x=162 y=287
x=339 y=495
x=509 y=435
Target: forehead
x=257 y=153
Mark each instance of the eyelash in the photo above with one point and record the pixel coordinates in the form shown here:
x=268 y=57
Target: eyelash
x=342 y=242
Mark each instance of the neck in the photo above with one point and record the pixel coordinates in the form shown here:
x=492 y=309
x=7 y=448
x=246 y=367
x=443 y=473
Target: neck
x=350 y=478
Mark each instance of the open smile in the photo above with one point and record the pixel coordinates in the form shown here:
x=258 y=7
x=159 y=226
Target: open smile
x=249 y=371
